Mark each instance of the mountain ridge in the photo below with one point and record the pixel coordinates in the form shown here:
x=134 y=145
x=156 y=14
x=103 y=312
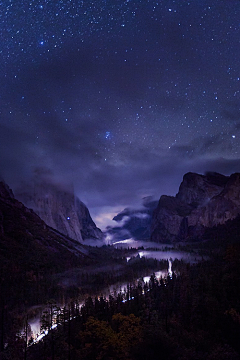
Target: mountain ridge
x=61 y=209
x=21 y=228
x=203 y=201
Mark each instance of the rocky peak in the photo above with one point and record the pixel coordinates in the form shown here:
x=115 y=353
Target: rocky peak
x=28 y=244
x=203 y=201
x=60 y=209
x=196 y=189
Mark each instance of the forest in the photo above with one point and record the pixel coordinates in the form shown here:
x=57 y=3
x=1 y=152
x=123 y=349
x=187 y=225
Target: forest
x=194 y=314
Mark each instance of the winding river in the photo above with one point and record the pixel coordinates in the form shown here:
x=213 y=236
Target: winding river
x=158 y=253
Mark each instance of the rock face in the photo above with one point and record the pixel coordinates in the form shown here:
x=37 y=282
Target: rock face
x=32 y=257
x=24 y=235
x=61 y=210
x=203 y=201
x=134 y=223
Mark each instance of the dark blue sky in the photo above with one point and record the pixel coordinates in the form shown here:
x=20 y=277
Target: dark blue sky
x=120 y=98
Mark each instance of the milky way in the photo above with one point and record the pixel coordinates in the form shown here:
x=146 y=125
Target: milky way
x=120 y=98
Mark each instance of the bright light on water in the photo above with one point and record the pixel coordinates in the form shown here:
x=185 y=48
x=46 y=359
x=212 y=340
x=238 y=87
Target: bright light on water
x=170 y=268
x=160 y=274
x=127 y=241
x=120 y=287
x=138 y=243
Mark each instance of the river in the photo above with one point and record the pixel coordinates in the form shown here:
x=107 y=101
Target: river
x=158 y=253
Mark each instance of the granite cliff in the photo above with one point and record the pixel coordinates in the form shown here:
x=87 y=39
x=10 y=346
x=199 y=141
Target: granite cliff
x=60 y=209
x=26 y=240
x=203 y=201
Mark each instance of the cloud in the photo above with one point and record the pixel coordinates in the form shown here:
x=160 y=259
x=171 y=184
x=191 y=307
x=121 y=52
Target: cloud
x=72 y=155
x=62 y=108
x=207 y=146
x=141 y=216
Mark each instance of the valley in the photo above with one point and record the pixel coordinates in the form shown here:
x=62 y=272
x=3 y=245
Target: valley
x=170 y=293
x=138 y=265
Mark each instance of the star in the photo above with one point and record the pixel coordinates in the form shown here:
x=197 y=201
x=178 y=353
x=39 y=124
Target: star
x=107 y=135
x=138 y=83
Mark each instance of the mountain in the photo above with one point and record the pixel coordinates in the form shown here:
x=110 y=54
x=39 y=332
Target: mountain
x=60 y=209
x=203 y=201
x=31 y=254
x=134 y=223
x=22 y=229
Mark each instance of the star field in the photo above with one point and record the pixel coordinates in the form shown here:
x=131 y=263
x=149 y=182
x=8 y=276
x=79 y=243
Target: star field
x=119 y=97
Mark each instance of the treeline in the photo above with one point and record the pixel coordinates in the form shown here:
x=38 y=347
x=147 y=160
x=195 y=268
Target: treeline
x=192 y=316
x=21 y=290
x=76 y=283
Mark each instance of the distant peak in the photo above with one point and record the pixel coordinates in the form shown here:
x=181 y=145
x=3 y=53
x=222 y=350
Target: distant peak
x=211 y=177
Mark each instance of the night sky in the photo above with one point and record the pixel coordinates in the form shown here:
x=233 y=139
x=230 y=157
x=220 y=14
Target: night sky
x=119 y=98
